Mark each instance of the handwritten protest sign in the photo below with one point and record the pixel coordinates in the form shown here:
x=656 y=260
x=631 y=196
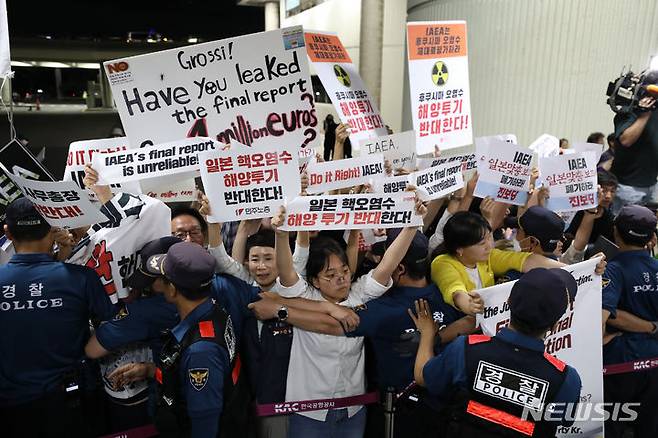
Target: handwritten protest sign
x=81 y=153
x=398 y=149
x=391 y=184
x=61 y=203
x=438 y=82
x=571 y=180
x=249 y=182
x=254 y=89
x=160 y=160
x=346 y=212
x=436 y=182
x=576 y=147
x=575 y=338
x=545 y=146
x=344 y=85
x=504 y=171
x=169 y=191
x=332 y=175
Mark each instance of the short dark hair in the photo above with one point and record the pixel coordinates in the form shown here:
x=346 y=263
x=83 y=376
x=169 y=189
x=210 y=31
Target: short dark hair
x=464 y=229
x=21 y=233
x=611 y=137
x=189 y=211
x=319 y=252
x=263 y=237
x=524 y=328
x=194 y=295
x=606 y=178
x=594 y=137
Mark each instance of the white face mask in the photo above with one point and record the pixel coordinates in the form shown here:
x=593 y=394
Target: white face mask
x=515 y=245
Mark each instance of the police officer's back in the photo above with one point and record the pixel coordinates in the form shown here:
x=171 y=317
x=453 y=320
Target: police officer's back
x=196 y=362
x=45 y=307
x=494 y=381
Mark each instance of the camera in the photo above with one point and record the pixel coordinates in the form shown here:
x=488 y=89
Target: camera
x=627 y=90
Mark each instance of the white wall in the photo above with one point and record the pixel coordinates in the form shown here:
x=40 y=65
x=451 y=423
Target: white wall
x=544 y=66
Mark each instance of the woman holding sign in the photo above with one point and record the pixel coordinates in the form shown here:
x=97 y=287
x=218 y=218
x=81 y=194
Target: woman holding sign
x=472 y=262
x=331 y=368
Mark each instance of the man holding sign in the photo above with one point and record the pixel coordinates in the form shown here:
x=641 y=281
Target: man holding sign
x=490 y=376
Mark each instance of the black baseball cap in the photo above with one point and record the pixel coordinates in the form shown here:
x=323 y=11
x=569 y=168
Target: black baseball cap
x=187 y=265
x=635 y=224
x=141 y=278
x=541 y=296
x=418 y=249
x=21 y=214
x=541 y=223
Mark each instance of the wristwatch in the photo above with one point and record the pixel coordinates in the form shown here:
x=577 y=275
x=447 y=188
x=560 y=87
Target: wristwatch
x=282 y=313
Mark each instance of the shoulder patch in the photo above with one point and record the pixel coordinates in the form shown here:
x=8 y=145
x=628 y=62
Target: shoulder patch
x=360 y=308
x=605 y=282
x=198 y=377
x=122 y=313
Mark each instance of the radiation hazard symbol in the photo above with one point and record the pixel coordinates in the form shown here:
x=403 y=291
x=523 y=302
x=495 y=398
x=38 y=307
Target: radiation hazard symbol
x=439 y=73
x=342 y=75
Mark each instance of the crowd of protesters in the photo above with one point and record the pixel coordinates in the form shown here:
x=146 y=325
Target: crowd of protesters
x=247 y=330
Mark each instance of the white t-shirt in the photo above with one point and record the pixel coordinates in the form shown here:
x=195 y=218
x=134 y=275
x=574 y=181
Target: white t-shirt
x=475 y=276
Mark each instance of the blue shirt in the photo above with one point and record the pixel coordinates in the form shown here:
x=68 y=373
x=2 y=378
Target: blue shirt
x=146 y=318
x=392 y=333
x=45 y=307
x=630 y=283
x=203 y=367
x=445 y=373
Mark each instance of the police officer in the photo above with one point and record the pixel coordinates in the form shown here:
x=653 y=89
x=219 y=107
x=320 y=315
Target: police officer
x=493 y=381
x=196 y=362
x=45 y=307
x=630 y=285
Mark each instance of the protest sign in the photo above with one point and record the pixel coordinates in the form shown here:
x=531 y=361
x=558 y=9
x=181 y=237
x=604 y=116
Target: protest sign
x=81 y=153
x=571 y=180
x=546 y=146
x=249 y=182
x=597 y=148
x=255 y=89
x=347 y=212
x=438 y=82
x=171 y=191
x=5 y=58
x=61 y=203
x=172 y=158
x=575 y=338
x=439 y=181
x=339 y=174
x=468 y=161
x=344 y=86
x=504 y=171
x=391 y=184
x=112 y=250
x=398 y=149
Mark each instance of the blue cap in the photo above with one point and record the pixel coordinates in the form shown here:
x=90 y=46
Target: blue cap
x=21 y=214
x=142 y=278
x=635 y=224
x=418 y=249
x=543 y=224
x=541 y=296
x=187 y=265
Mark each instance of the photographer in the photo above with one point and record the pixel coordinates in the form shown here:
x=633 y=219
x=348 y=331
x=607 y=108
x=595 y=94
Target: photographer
x=636 y=160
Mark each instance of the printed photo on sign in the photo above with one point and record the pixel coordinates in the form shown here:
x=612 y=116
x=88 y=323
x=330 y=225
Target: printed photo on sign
x=504 y=171
x=61 y=203
x=81 y=153
x=344 y=86
x=398 y=149
x=346 y=212
x=339 y=174
x=571 y=180
x=255 y=89
x=439 y=85
x=249 y=182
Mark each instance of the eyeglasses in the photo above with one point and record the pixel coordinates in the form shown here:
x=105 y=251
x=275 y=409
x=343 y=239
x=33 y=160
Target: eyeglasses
x=334 y=277
x=193 y=233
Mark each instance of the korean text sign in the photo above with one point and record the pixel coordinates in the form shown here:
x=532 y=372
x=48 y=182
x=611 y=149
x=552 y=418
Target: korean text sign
x=346 y=212
x=504 y=171
x=254 y=89
x=571 y=180
x=575 y=338
x=249 y=182
x=439 y=87
x=344 y=86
